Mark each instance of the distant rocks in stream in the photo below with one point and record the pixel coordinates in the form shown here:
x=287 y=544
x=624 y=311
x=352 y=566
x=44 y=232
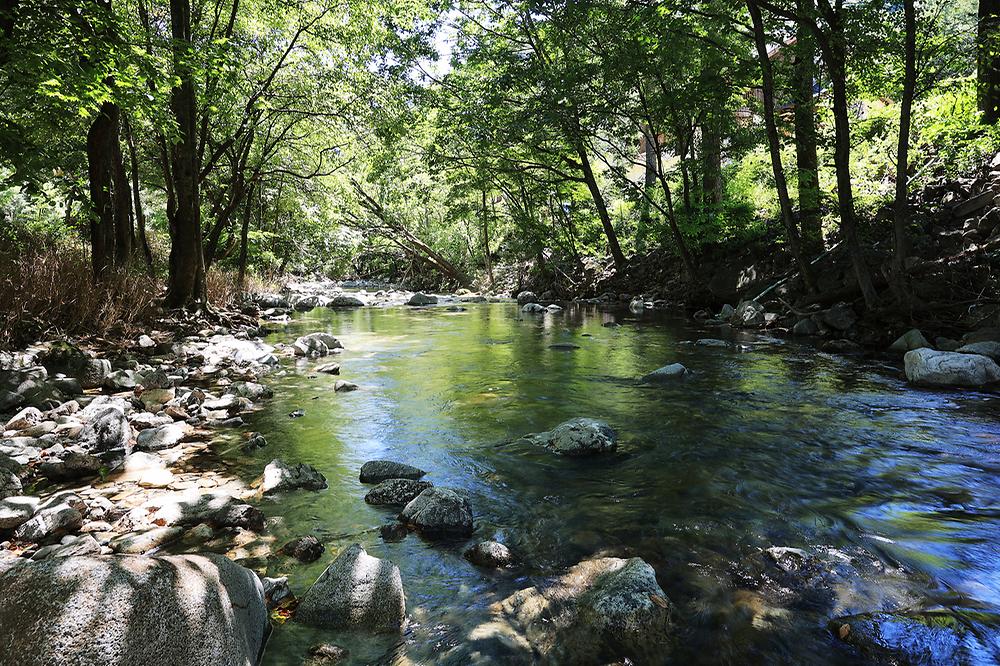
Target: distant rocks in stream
x=577 y=437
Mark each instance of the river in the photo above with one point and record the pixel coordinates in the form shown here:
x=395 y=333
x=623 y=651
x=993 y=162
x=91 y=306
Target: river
x=768 y=443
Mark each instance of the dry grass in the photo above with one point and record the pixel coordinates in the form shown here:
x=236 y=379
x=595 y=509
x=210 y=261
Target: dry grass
x=49 y=290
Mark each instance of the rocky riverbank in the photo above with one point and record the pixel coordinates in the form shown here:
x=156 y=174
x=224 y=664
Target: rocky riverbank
x=117 y=508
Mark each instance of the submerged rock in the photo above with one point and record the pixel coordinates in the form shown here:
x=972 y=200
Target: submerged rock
x=279 y=477
x=398 y=492
x=357 y=591
x=377 y=471
x=938 y=368
x=153 y=611
x=490 y=554
x=305 y=549
x=578 y=437
x=439 y=512
x=928 y=638
x=666 y=373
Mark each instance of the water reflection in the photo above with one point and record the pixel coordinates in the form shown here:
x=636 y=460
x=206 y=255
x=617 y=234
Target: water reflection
x=767 y=443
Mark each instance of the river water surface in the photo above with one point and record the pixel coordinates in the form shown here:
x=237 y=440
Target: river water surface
x=768 y=443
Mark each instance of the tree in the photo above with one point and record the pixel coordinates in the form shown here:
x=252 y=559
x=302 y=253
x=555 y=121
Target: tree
x=988 y=60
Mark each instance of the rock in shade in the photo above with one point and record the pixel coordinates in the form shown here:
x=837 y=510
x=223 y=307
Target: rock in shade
x=938 y=368
x=396 y=492
x=377 y=471
x=989 y=349
x=578 y=437
x=526 y=297
x=422 y=299
x=805 y=326
x=532 y=308
x=666 y=373
x=109 y=430
x=912 y=339
x=490 y=554
x=345 y=301
x=305 y=549
x=326 y=654
x=153 y=611
x=49 y=523
x=280 y=477
x=329 y=369
x=357 y=591
x=840 y=317
x=393 y=532
x=439 y=512
x=137 y=543
x=932 y=638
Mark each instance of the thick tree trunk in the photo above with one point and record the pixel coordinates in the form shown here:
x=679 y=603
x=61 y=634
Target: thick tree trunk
x=988 y=60
x=835 y=59
x=711 y=161
x=602 y=209
x=804 y=73
x=901 y=217
x=186 y=281
x=774 y=145
x=486 y=242
x=110 y=228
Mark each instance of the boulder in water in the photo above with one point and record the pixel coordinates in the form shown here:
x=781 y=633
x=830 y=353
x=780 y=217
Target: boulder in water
x=490 y=554
x=666 y=373
x=912 y=339
x=396 y=492
x=357 y=591
x=345 y=301
x=377 y=471
x=153 y=611
x=988 y=348
x=422 y=299
x=938 y=368
x=526 y=297
x=280 y=477
x=578 y=437
x=439 y=512
x=305 y=549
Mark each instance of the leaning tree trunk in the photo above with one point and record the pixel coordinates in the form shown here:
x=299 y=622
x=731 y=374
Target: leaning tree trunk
x=774 y=144
x=602 y=209
x=988 y=60
x=140 y=215
x=186 y=280
x=901 y=218
x=804 y=73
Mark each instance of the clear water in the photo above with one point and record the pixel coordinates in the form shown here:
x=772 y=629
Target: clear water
x=770 y=442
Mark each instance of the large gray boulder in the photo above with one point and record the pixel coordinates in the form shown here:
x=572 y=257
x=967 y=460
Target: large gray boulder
x=439 y=512
x=316 y=344
x=578 y=437
x=912 y=339
x=939 y=368
x=162 y=437
x=109 y=430
x=357 y=591
x=990 y=349
x=345 y=301
x=377 y=471
x=150 y=611
x=49 y=523
x=665 y=374
x=396 y=492
x=602 y=610
x=419 y=299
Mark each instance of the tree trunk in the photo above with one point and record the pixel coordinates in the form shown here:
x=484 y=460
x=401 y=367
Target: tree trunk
x=140 y=215
x=186 y=281
x=602 y=208
x=774 y=144
x=486 y=242
x=804 y=73
x=244 y=234
x=988 y=60
x=834 y=53
x=100 y=172
x=901 y=218
x=711 y=160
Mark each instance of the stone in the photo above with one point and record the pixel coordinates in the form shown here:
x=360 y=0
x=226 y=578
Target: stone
x=393 y=532
x=982 y=335
x=912 y=339
x=153 y=611
x=154 y=399
x=251 y=391
x=122 y=380
x=840 y=317
x=276 y=591
x=146 y=342
x=602 y=610
x=841 y=346
x=71 y=465
x=271 y=301
x=50 y=522
x=316 y=344
x=327 y=653
x=490 y=554
x=726 y=312
x=138 y=543
x=526 y=297
x=439 y=512
x=255 y=441
x=280 y=477
x=357 y=591
x=377 y=471
x=75 y=547
x=189 y=508
x=162 y=437
x=109 y=430
x=578 y=437
x=938 y=368
x=532 y=308
x=748 y=314
x=666 y=373
x=710 y=342
x=398 y=492
x=419 y=299
x=345 y=301
x=934 y=638
x=26 y=418
x=10 y=480
x=329 y=368
x=308 y=303
x=805 y=326
x=305 y=549
x=17 y=510
x=987 y=348
x=344 y=386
